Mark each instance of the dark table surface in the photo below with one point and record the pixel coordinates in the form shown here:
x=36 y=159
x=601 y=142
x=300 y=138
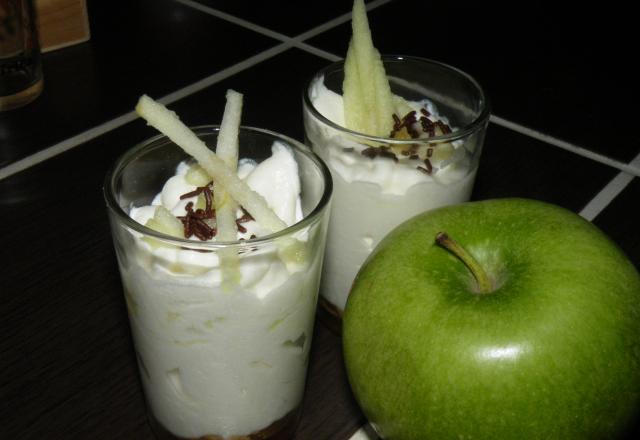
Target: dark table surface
x=562 y=131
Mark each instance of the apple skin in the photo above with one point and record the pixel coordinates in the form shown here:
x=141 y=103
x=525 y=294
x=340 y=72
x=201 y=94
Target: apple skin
x=552 y=353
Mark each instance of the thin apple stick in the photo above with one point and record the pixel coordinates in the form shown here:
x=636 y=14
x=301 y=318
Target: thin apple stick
x=227 y=150
x=168 y=123
x=368 y=101
x=226 y=207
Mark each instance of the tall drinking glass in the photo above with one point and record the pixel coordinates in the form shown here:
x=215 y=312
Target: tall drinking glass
x=382 y=181
x=20 y=60
x=219 y=361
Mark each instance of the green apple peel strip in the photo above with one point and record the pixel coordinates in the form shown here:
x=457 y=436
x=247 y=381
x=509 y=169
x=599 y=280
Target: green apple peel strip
x=225 y=206
x=482 y=280
x=368 y=101
x=168 y=123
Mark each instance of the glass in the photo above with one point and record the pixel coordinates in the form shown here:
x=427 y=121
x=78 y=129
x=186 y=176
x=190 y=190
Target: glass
x=218 y=361
x=376 y=192
x=20 y=64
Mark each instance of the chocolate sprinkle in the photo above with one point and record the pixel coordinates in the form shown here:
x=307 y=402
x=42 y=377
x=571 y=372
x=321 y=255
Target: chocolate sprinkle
x=246 y=217
x=194 y=222
x=199 y=222
x=427 y=162
x=444 y=127
x=388 y=155
x=428 y=126
x=207 y=188
x=407 y=122
x=370 y=152
x=407 y=128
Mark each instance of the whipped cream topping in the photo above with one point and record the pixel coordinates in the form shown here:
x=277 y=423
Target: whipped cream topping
x=276 y=179
x=344 y=153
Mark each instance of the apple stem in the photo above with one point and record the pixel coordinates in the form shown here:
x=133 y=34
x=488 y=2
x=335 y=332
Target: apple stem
x=484 y=283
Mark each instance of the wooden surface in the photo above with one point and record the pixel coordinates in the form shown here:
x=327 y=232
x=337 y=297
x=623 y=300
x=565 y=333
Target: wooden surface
x=61 y=23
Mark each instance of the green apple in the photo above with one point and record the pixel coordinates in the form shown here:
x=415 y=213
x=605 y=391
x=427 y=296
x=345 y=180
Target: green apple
x=535 y=336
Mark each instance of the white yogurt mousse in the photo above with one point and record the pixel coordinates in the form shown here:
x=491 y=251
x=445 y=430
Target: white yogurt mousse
x=373 y=194
x=218 y=360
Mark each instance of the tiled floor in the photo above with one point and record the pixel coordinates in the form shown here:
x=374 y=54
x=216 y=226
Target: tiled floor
x=562 y=131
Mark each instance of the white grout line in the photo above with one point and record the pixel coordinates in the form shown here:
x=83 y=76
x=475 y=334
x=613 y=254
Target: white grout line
x=608 y=193
x=271 y=33
x=233 y=19
x=297 y=41
x=65 y=145
x=337 y=21
x=365 y=433
x=632 y=168
x=318 y=52
x=101 y=129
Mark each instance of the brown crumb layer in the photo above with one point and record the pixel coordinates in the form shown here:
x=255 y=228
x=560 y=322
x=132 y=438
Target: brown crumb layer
x=282 y=429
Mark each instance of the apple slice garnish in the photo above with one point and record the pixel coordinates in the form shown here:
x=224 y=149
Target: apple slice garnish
x=168 y=123
x=368 y=101
x=197 y=176
x=227 y=151
x=165 y=222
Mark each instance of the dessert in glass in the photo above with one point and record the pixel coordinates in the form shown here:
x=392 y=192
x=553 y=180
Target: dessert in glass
x=221 y=321
x=400 y=135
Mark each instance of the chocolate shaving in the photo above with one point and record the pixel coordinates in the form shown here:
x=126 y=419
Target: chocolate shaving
x=407 y=122
x=194 y=222
x=246 y=217
x=388 y=155
x=397 y=122
x=428 y=126
x=444 y=127
x=200 y=222
x=407 y=128
x=370 y=152
x=197 y=191
x=428 y=169
x=427 y=162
